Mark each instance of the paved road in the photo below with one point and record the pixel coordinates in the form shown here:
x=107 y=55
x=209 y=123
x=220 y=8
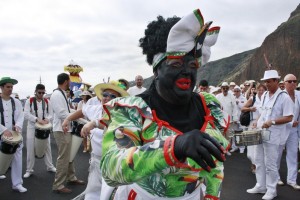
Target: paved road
x=238 y=178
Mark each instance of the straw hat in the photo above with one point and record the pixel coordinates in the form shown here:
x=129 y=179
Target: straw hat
x=86 y=93
x=113 y=85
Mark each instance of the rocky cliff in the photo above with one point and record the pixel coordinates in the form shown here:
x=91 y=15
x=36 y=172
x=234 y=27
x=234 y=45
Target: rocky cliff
x=282 y=48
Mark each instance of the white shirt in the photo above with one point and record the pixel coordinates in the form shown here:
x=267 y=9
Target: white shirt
x=29 y=112
x=240 y=102
x=257 y=105
x=133 y=91
x=7 y=113
x=272 y=111
x=60 y=109
x=93 y=101
x=94 y=112
x=229 y=106
x=296 y=111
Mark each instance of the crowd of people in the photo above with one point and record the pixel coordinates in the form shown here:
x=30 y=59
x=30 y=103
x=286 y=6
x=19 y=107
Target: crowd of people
x=165 y=142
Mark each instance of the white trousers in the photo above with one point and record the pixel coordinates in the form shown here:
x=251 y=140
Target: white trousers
x=16 y=167
x=30 y=151
x=291 y=157
x=93 y=188
x=266 y=156
x=124 y=191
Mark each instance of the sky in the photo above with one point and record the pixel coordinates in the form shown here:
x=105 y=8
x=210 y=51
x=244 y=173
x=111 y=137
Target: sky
x=39 y=37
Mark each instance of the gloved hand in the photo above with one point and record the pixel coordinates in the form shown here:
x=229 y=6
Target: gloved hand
x=198 y=146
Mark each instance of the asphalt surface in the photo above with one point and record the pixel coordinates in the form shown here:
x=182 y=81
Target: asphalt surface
x=238 y=179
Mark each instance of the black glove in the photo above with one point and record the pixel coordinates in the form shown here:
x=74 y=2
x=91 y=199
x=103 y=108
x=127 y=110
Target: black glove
x=198 y=146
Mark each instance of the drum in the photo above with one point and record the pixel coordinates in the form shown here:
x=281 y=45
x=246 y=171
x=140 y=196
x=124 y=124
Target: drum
x=76 y=137
x=248 y=138
x=42 y=132
x=7 y=149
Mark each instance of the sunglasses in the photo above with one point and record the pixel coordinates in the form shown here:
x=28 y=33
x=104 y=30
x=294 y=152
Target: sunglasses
x=291 y=81
x=107 y=94
x=41 y=92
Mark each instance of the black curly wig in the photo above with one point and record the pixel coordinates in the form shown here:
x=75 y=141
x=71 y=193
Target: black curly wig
x=156 y=35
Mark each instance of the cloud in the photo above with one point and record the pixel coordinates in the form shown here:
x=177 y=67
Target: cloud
x=38 y=38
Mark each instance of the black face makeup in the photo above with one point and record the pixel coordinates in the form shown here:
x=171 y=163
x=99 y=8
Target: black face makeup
x=176 y=79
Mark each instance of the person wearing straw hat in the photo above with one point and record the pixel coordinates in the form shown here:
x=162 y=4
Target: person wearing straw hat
x=164 y=142
x=277 y=111
x=37 y=110
x=231 y=86
x=12 y=118
x=93 y=112
x=229 y=107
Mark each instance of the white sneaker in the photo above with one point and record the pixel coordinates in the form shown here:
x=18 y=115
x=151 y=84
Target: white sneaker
x=280 y=183
x=294 y=185
x=269 y=196
x=20 y=188
x=234 y=149
x=228 y=153
x=2 y=177
x=257 y=190
x=53 y=169
x=27 y=174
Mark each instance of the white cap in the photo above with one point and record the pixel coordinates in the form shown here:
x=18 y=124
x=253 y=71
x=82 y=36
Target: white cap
x=237 y=87
x=224 y=84
x=269 y=74
x=232 y=83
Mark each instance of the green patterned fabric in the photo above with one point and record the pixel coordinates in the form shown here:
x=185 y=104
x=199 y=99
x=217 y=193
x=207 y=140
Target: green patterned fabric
x=133 y=151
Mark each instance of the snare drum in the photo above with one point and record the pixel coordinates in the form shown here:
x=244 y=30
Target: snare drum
x=248 y=138
x=42 y=132
x=7 y=149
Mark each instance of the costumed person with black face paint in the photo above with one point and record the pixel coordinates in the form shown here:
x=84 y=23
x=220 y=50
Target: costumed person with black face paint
x=174 y=134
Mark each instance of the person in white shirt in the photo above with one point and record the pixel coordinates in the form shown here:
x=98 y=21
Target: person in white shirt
x=37 y=110
x=240 y=102
x=138 y=88
x=290 y=140
x=231 y=86
x=65 y=170
x=277 y=111
x=253 y=105
x=12 y=118
x=93 y=111
x=229 y=107
x=85 y=95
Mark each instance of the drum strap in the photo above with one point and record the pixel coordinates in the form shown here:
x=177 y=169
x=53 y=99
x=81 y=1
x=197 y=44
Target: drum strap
x=13 y=111
x=275 y=99
x=64 y=97
x=35 y=107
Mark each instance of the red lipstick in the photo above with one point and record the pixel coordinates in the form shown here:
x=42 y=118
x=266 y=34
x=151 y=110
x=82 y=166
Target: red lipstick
x=183 y=83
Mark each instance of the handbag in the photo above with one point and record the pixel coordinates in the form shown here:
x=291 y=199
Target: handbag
x=245 y=117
